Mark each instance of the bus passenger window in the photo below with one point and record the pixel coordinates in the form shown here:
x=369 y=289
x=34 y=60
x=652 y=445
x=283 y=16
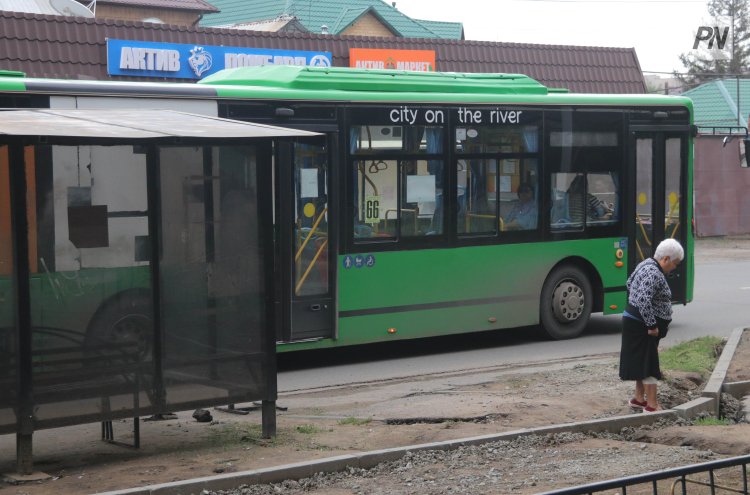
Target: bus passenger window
x=578 y=199
x=421 y=209
x=524 y=214
x=519 y=204
x=376 y=211
x=603 y=197
x=397 y=195
x=477 y=196
x=562 y=216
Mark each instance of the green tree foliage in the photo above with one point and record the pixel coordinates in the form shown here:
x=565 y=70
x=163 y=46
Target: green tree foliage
x=704 y=65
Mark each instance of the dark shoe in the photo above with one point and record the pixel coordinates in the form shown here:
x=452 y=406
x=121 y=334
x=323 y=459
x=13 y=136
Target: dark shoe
x=649 y=409
x=636 y=404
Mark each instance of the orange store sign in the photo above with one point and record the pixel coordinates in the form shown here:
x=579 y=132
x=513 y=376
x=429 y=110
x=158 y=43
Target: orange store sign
x=376 y=58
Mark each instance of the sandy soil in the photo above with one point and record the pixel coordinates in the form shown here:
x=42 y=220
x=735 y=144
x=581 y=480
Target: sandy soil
x=325 y=423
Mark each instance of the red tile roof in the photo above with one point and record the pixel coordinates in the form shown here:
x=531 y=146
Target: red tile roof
x=75 y=48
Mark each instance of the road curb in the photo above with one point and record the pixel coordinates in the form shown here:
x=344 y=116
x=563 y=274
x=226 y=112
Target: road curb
x=715 y=384
x=709 y=402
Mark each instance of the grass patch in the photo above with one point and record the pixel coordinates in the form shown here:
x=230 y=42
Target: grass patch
x=307 y=429
x=355 y=421
x=245 y=433
x=712 y=422
x=697 y=355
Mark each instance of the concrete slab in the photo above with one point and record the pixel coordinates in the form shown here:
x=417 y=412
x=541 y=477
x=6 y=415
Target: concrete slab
x=696 y=406
x=737 y=389
x=716 y=380
x=17 y=479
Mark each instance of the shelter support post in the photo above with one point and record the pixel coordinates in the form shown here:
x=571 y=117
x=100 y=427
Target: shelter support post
x=20 y=239
x=24 y=453
x=269 y=418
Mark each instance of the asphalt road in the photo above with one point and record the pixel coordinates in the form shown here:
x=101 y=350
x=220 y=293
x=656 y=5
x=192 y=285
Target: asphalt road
x=720 y=304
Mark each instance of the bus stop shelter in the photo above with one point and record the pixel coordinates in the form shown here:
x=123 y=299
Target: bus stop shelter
x=135 y=267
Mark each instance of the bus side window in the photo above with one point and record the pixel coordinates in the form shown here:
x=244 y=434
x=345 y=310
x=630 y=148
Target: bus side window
x=477 y=196
x=592 y=198
x=566 y=212
x=604 y=194
x=559 y=216
x=375 y=208
x=421 y=209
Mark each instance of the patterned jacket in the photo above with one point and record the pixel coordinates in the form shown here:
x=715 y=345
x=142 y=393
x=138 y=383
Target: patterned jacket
x=648 y=291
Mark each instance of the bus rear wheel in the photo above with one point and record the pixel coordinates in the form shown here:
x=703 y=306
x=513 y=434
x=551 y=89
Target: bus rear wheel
x=566 y=302
x=122 y=328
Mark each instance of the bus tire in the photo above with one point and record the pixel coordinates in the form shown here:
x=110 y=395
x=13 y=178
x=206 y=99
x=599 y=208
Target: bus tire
x=566 y=302
x=122 y=327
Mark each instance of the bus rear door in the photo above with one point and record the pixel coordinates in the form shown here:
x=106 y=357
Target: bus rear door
x=306 y=241
x=660 y=197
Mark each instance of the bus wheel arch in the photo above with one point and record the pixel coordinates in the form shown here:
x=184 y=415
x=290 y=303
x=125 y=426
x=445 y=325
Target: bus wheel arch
x=121 y=320
x=568 y=298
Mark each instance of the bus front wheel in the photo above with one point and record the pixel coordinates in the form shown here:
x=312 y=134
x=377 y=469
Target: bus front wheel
x=566 y=302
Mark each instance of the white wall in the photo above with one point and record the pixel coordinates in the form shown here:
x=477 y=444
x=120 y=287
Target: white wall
x=117 y=178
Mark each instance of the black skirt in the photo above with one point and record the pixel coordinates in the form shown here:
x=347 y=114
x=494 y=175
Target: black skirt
x=639 y=353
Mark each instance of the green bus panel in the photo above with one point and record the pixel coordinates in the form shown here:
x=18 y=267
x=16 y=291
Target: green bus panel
x=425 y=293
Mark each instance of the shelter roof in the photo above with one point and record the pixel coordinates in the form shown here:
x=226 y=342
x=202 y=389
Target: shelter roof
x=132 y=124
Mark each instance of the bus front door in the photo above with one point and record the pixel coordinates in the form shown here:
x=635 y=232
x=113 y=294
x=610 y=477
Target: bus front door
x=660 y=198
x=306 y=241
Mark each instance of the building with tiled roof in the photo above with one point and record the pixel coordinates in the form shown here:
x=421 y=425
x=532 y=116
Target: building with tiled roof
x=181 y=12
x=719 y=104
x=342 y=17
x=721 y=176
x=282 y=24
x=76 y=48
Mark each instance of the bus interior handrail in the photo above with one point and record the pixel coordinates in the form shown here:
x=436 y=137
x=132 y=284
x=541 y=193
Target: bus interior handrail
x=310 y=234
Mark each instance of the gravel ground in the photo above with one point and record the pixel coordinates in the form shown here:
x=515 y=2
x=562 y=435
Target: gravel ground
x=525 y=465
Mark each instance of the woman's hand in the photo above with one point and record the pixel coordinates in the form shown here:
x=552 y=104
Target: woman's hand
x=653 y=332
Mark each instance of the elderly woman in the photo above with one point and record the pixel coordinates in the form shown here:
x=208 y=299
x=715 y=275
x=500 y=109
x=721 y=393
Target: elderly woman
x=645 y=320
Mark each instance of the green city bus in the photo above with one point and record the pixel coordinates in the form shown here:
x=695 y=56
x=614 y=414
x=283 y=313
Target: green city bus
x=429 y=203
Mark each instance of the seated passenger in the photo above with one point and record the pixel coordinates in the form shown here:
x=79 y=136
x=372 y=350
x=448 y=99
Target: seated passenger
x=595 y=208
x=524 y=213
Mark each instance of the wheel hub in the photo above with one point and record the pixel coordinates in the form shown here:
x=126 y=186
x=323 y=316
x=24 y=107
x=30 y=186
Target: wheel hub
x=568 y=301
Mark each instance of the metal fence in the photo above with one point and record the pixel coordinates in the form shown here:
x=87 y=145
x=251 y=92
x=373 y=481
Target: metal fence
x=694 y=479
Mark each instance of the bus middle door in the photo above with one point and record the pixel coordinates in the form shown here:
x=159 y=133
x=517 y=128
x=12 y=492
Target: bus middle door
x=660 y=197
x=307 y=246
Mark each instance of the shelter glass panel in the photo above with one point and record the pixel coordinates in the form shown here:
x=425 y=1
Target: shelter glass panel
x=90 y=283
x=213 y=318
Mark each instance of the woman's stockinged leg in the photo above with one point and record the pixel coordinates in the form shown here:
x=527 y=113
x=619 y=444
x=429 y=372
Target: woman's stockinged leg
x=640 y=392
x=651 y=399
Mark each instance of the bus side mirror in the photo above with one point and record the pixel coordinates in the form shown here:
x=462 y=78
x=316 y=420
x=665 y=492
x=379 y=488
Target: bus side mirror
x=744 y=148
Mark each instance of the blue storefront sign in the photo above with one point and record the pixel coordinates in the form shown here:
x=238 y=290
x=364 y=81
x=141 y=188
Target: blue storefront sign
x=147 y=59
